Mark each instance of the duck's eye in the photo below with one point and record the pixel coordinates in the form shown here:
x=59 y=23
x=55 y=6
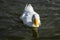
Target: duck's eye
x=33 y=18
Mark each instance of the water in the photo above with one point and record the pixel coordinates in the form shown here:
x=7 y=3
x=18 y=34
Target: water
x=11 y=27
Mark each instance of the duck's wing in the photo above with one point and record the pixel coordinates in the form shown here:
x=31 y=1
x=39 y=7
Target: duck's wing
x=22 y=16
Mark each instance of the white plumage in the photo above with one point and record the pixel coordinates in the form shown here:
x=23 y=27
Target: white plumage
x=31 y=19
x=27 y=16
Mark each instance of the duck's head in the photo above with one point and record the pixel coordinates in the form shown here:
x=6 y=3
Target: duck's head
x=29 y=8
x=35 y=21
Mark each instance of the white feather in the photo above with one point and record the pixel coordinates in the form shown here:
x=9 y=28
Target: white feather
x=27 y=16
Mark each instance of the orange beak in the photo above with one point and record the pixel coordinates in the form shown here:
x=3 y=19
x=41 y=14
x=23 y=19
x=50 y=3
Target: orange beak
x=36 y=22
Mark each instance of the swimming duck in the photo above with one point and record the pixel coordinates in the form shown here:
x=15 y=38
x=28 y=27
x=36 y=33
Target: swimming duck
x=31 y=19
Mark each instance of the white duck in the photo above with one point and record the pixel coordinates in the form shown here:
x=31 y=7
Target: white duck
x=31 y=19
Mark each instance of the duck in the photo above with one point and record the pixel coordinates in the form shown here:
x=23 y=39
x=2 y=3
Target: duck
x=31 y=19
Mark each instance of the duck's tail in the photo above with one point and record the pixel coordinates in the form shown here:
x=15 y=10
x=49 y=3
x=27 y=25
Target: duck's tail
x=28 y=7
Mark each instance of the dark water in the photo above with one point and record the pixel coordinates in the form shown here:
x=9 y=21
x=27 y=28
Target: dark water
x=11 y=27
